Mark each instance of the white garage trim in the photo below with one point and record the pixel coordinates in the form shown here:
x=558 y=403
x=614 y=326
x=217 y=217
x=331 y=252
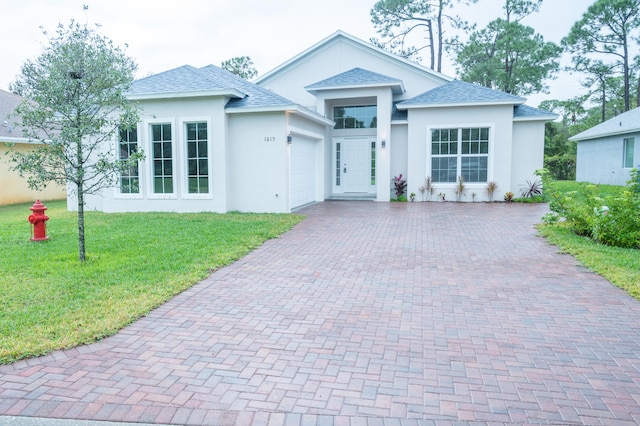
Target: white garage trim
x=303 y=176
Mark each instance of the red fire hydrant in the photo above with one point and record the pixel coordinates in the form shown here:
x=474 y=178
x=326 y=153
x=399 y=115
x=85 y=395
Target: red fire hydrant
x=38 y=219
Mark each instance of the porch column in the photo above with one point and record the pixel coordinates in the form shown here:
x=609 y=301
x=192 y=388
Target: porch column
x=383 y=157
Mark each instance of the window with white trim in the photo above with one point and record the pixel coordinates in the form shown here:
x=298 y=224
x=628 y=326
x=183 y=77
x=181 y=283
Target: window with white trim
x=356 y=117
x=162 y=152
x=197 y=140
x=460 y=152
x=627 y=150
x=130 y=176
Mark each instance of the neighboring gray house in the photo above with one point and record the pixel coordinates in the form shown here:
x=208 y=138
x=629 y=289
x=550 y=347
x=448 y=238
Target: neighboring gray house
x=607 y=152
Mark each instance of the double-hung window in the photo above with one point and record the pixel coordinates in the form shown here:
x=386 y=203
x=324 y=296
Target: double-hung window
x=129 y=176
x=162 y=151
x=627 y=150
x=460 y=152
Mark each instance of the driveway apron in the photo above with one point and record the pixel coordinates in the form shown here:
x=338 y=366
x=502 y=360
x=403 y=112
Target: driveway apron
x=366 y=313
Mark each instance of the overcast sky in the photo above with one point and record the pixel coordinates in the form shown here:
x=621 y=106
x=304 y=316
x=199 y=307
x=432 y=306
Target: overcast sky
x=165 y=35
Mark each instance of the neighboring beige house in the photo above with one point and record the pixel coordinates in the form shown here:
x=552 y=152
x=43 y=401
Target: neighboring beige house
x=13 y=188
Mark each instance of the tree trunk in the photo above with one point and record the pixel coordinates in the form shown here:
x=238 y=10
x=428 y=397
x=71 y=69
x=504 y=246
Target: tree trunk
x=431 y=47
x=440 y=7
x=638 y=93
x=627 y=92
x=81 y=248
x=604 y=100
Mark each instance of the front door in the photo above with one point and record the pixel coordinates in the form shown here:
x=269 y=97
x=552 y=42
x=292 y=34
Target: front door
x=356 y=165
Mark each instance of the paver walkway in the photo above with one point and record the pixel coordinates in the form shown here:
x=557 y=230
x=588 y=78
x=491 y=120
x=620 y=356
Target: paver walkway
x=366 y=313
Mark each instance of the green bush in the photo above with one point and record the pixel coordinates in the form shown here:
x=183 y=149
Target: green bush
x=612 y=220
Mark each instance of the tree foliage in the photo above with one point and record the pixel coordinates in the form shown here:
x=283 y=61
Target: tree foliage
x=607 y=29
x=242 y=66
x=507 y=55
x=397 y=20
x=76 y=102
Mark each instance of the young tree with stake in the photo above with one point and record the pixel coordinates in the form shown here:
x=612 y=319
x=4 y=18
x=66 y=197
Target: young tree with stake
x=76 y=103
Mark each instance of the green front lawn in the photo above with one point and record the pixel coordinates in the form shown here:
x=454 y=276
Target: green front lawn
x=51 y=301
x=621 y=266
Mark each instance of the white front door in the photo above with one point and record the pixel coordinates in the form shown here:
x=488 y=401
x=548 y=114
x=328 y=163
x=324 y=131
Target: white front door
x=356 y=165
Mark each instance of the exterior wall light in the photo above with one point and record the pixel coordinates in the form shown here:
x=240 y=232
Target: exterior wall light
x=384 y=143
x=289 y=138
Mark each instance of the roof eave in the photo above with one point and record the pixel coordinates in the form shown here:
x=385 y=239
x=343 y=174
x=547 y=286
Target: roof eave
x=13 y=139
x=396 y=87
x=292 y=108
x=546 y=117
x=458 y=104
x=576 y=138
x=231 y=93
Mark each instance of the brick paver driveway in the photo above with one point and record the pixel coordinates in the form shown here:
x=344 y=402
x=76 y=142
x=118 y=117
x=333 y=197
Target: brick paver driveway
x=438 y=312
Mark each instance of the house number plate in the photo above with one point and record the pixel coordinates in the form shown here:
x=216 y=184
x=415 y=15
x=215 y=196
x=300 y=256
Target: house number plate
x=269 y=138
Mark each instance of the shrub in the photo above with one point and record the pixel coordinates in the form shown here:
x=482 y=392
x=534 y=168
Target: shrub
x=400 y=185
x=611 y=220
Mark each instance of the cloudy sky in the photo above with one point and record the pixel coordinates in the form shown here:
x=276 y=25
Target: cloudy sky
x=165 y=35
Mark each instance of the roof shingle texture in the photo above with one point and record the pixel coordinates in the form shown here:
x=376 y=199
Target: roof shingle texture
x=626 y=122
x=8 y=104
x=459 y=92
x=354 y=77
x=525 y=111
x=187 y=79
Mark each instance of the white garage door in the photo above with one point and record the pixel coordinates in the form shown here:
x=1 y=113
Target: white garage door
x=303 y=171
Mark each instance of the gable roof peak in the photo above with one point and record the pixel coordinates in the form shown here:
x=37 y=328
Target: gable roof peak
x=342 y=35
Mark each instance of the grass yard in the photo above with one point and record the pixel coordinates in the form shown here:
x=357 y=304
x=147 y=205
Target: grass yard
x=135 y=262
x=619 y=265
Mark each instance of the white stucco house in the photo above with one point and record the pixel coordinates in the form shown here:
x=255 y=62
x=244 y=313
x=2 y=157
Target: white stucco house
x=337 y=121
x=607 y=152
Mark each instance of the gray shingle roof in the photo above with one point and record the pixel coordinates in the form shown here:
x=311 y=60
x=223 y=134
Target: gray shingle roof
x=210 y=79
x=8 y=104
x=460 y=92
x=357 y=77
x=184 y=79
x=10 y=124
x=256 y=96
x=398 y=115
x=526 y=112
x=627 y=122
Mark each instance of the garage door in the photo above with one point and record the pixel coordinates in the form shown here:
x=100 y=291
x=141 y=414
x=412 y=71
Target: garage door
x=303 y=171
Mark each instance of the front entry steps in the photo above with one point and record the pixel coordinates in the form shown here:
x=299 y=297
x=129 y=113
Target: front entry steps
x=352 y=197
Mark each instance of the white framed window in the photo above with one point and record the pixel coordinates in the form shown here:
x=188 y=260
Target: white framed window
x=129 y=179
x=162 y=159
x=196 y=146
x=355 y=117
x=460 y=151
x=628 y=145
